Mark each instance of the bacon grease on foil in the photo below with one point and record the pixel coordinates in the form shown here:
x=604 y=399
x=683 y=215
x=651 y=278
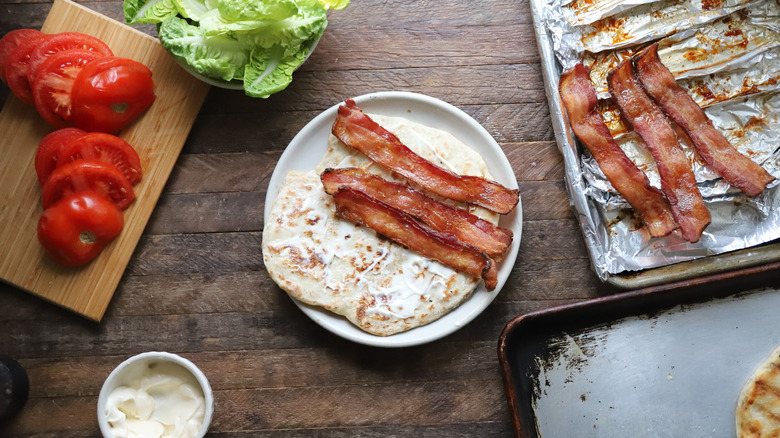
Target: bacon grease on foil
x=356 y=206
x=727 y=60
x=579 y=99
x=357 y=130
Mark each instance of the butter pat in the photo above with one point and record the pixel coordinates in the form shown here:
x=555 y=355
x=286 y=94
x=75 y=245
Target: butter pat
x=155 y=397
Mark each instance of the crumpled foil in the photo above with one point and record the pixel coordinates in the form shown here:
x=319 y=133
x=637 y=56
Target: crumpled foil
x=725 y=53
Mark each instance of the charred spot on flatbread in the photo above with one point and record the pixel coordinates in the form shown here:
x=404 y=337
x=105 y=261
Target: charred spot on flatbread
x=378 y=285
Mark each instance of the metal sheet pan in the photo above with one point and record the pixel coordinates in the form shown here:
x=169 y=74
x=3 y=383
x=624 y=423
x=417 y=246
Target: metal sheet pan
x=668 y=361
x=551 y=71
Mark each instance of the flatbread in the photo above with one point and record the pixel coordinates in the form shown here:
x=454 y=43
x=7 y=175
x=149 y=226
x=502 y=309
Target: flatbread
x=758 y=407
x=378 y=285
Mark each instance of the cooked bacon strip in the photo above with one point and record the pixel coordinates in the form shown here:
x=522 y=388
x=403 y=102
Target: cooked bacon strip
x=677 y=180
x=357 y=130
x=659 y=83
x=467 y=227
x=579 y=99
x=358 y=207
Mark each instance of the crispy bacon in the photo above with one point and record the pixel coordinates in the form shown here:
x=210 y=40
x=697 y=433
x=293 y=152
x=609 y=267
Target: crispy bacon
x=579 y=99
x=659 y=83
x=677 y=180
x=358 y=207
x=441 y=217
x=357 y=130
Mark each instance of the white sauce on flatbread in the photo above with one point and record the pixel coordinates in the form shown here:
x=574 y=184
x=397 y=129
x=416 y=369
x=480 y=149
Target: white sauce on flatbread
x=378 y=285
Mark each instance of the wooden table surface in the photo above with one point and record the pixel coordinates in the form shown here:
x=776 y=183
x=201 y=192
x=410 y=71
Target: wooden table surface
x=196 y=284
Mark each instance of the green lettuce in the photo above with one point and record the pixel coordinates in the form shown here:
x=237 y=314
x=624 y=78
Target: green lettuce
x=261 y=42
x=148 y=11
x=268 y=10
x=334 y=4
x=192 y=9
x=270 y=70
x=219 y=57
x=292 y=32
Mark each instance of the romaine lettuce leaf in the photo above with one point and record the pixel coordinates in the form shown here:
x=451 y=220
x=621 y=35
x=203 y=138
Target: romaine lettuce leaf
x=261 y=42
x=148 y=11
x=308 y=23
x=192 y=9
x=213 y=23
x=334 y=4
x=270 y=70
x=219 y=56
x=266 y=10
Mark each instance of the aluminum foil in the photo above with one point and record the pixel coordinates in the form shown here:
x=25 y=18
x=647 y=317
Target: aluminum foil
x=709 y=53
x=725 y=53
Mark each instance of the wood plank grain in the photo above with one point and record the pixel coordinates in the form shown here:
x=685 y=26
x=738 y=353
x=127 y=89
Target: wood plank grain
x=158 y=136
x=507 y=123
x=243 y=211
x=281 y=328
x=280 y=368
x=196 y=284
x=484 y=85
x=250 y=171
x=432 y=403
x=225 y=252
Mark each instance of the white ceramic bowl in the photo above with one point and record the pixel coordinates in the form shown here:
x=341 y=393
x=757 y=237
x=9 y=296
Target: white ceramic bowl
x=119 y=376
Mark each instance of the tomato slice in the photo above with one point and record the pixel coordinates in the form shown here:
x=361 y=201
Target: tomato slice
x=48 y=152
x=110 y=92
x=61 y=42
x=53 y=84
x=16 y=68
x=9 y=42
x=85 y=175
x=75 y=229
x=107 y=148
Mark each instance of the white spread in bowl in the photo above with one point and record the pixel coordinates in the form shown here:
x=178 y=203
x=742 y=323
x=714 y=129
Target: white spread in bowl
x=155 y=395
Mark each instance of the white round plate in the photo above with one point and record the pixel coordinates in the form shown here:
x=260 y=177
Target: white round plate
x=310 y=144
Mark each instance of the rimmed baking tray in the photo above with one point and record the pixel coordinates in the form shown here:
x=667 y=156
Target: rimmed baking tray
x=737 y=260
x=666 y=361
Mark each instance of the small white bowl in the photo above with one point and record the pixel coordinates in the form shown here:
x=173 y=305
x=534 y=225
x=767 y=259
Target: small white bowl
x=120 y=375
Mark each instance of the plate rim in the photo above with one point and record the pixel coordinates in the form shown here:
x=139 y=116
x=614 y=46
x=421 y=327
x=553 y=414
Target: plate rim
x=480 y=298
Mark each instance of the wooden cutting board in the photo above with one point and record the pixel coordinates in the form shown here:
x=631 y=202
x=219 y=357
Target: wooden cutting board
x=158 y=136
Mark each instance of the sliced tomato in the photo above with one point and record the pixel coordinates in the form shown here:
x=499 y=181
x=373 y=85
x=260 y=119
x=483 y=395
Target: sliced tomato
x=86 y=175
x=9 y=42
x=53 y=84
x=107 y=148
x=60 y=42
x=76 y=228
x=48 y=152
x=110 y=92
x=16 y=68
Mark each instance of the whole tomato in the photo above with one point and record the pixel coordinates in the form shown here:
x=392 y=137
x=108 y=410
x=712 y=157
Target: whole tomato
x=109 y=93
x=76 y=228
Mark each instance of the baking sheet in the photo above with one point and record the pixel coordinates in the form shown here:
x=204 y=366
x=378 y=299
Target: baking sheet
x=595 y=233
x=646 y=363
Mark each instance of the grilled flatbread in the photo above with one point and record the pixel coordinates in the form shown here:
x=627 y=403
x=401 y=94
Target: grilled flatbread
x=350 y=270
x=758 y=407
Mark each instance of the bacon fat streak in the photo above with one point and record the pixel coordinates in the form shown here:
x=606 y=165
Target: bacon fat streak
x=659 y=83
x=471 y=229
x=579 y=99
x=357 y=130
x=358 y=207
x=677 y=180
